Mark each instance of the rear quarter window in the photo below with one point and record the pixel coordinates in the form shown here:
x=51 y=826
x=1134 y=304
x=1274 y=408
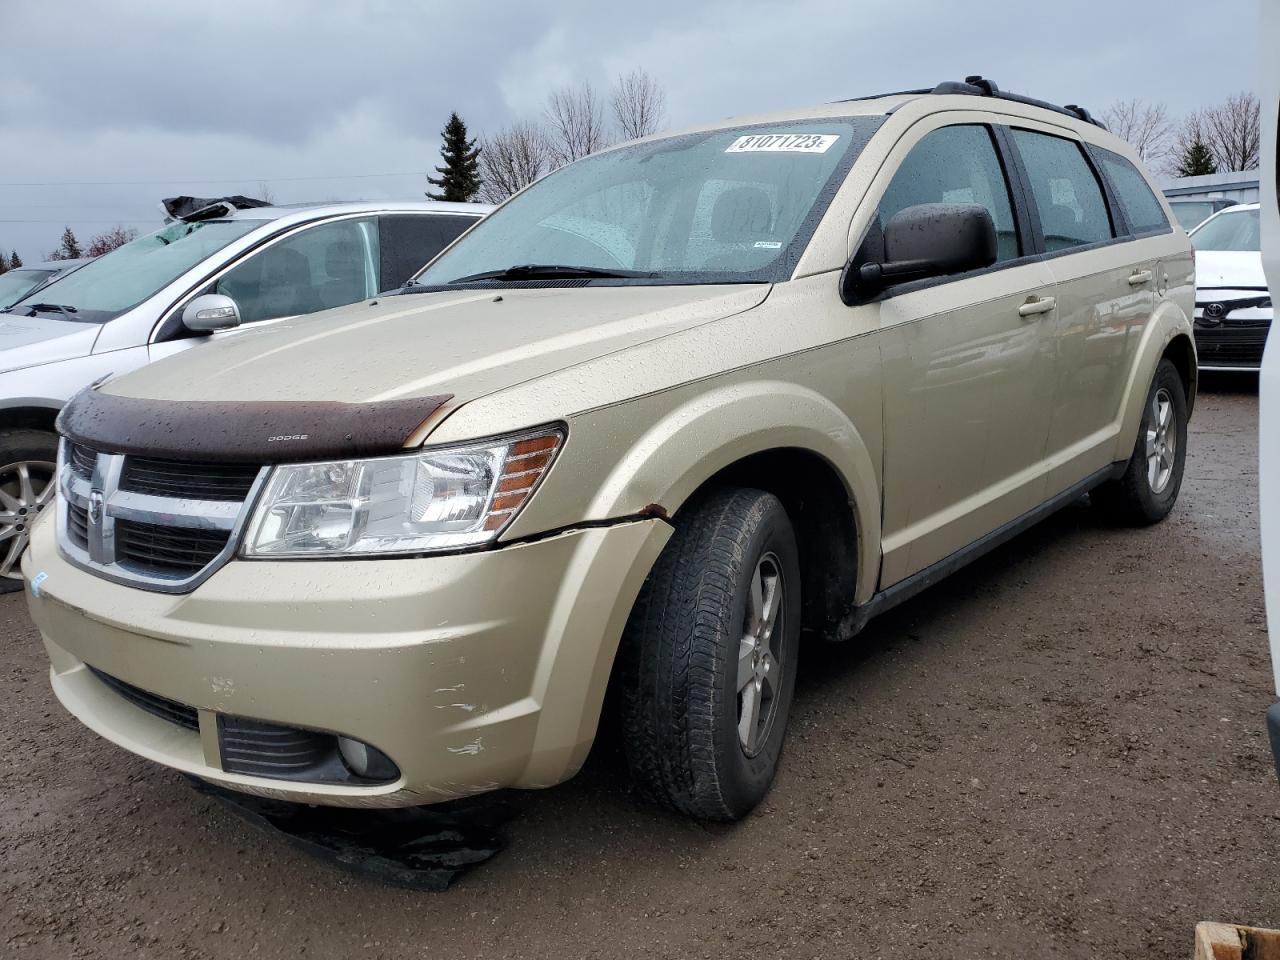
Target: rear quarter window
x=1136 y=199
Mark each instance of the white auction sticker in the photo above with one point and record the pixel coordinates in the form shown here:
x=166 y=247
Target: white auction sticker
x=783 y=143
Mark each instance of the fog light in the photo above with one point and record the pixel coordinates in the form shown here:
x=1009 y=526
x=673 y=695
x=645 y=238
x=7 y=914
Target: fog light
x=366 y=761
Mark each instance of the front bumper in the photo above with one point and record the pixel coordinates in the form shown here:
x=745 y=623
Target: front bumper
x=472 y=672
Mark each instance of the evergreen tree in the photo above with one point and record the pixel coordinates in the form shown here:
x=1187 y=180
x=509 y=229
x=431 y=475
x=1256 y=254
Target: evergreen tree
x=15 y=261
x=69 y=249
x=4 y=263
x=459 y=178
x=1196 y=160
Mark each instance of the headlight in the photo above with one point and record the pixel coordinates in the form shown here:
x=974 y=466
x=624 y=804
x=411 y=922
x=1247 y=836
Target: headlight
x=431 y=500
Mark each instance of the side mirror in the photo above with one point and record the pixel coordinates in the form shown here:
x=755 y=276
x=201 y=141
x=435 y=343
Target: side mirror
x=930 y=240
x=210 y=313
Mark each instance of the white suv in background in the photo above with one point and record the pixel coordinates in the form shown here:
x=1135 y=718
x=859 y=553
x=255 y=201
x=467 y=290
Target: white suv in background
x=1233 y=305
x=191 y=281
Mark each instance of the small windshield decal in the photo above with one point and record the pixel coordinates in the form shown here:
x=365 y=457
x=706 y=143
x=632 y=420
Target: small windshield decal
x=783 y=143
x=768 y=244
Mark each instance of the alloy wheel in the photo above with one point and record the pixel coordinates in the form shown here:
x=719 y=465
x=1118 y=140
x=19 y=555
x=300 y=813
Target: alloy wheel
x=1162 y=441
x=759 y=660
x=26 y=489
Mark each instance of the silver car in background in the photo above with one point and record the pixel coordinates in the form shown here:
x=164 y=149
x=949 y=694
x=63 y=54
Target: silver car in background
x=20 y=282
x=193 y=280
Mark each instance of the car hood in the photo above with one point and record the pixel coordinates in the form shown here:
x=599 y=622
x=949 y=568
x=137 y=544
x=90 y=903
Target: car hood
x=1234 y=269
x=28 y=341
x=465 y=344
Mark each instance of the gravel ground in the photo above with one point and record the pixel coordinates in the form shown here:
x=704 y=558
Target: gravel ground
x=1060 y=752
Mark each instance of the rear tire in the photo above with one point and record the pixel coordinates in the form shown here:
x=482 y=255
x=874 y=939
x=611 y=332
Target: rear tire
x=27 y=467
x=1148 y=488
x=708 y=663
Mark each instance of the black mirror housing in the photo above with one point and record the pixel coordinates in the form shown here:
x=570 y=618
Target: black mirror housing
x=929 y=240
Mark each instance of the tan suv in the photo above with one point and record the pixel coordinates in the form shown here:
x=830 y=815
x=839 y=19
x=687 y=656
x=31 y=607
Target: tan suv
x=659 y=415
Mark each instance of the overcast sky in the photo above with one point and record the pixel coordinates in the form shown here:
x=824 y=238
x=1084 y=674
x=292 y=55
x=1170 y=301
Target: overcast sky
x=107 y=107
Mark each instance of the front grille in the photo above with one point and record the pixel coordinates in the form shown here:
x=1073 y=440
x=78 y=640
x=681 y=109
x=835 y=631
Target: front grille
x=1230 y=347
x=78 y=525
x=195 y=481
x=152 y=703
x=167 y=551
x=82 y=460
x=282 y=753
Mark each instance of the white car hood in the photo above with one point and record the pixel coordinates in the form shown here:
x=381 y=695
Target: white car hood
x=28 y=341
x=1236 y=270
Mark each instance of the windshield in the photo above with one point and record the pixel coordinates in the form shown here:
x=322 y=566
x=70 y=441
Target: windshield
x=734 y=205
x=107 y=287
x=1231 y=230
x=15 y=284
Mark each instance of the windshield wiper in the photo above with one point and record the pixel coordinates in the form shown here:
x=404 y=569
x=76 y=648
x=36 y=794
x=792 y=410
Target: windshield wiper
x=49 y=308
x=551 y=271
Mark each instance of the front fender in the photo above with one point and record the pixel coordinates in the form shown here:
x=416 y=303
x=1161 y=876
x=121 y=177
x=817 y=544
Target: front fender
x=691 y=443
x=1168 y=322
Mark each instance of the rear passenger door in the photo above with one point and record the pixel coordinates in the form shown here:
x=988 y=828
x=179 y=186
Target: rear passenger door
x=409 y=241
x=1104 y=299
x=965 y=361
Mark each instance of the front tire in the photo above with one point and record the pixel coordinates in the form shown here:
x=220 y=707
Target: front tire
x=1148 y=488
x=708 y=663
x=27 y=465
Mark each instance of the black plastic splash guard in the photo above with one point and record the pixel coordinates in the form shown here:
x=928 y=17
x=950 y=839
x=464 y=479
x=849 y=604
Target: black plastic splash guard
x=417 y=848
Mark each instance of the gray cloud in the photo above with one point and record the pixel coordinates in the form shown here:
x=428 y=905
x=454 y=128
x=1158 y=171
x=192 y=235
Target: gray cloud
x=141 y=90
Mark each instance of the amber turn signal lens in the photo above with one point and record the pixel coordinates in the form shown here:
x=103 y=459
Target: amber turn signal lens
x=525 y=465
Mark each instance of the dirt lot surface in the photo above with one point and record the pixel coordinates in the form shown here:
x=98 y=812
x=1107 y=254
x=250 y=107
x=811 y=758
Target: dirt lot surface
x=1058 y=753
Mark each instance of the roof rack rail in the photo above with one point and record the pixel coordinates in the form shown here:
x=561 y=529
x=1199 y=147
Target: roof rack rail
x=976 y=86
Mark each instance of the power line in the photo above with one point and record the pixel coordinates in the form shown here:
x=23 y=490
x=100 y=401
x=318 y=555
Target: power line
x=145 y=183
x=74 y=219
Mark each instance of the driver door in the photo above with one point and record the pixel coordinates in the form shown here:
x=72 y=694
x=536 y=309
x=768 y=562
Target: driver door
x=968 y=365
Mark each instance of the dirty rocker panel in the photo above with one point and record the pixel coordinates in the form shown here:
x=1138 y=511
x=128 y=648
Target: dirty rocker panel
x=889 y=597
x=260 y=432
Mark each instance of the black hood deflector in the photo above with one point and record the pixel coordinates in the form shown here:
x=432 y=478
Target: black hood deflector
x=243 y=431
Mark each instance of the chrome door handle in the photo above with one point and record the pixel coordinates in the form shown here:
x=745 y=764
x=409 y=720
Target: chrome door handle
x=1036 y=305
x=1139 y=278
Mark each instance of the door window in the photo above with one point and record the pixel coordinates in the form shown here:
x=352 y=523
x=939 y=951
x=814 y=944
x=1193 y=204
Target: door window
x=955 y=165
x=1140 y=206
x=1073 y=211
x=325 y=266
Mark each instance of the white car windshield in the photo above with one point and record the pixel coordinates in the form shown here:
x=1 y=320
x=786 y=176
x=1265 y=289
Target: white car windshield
x=1230 y=230
x=16 y=284
x=726 y=206
x=107 y=287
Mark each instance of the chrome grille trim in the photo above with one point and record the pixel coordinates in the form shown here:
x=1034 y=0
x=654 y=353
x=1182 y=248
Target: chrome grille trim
x=89 y=542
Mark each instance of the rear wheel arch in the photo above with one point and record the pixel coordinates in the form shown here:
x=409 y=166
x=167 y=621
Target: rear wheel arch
x=1181 y=352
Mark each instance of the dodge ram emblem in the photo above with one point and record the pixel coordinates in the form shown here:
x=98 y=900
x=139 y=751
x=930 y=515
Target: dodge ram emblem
x=96 y=501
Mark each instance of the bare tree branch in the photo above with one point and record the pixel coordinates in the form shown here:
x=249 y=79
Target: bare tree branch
x=1144 y=125
x=107 y=241
x=512 y=159
x=575 y=123
x=1233 y=132
x=639 y=105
